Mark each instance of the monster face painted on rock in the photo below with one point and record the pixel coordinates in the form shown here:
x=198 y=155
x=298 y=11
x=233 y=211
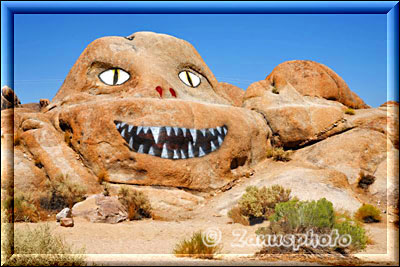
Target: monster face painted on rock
x=148 y=110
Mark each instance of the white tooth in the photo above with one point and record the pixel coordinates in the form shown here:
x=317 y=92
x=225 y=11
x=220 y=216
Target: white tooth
x=123 y=124
x=130 y=128
x=164 y=153
x=118 y=124
x=213 y=148
x=211 y=131
x=201 y=152
x=176 y=156
x=175 y=130
x=123 y=133
x=190 y=150
x=219 y=141
x=219 y=130
x=184 y=132
x=151 y=151
x=145 y=130
x=168 y=129
x=225 y=130
x=131 y=143
x=156 y=133
x=139 y=128
x=203 y=131
x=193 y=132
x=140 y=149
x=183 y=154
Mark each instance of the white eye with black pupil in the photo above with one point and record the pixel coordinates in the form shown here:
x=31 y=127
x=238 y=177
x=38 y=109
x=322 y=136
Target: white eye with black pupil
x=114 y=76
x=189 y=78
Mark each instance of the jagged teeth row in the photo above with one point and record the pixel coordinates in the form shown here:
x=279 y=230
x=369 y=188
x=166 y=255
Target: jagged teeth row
x=156 y=131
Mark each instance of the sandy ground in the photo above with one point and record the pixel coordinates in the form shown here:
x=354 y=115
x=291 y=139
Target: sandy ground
x=151 y=242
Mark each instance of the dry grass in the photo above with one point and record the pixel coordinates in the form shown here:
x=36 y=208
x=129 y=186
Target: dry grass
x=61 y=192
x=40 y=247
x=278 y=154
x=237 y=217
x=350 y=111
x=197 y=246
x=103 y=176
x=136 y=203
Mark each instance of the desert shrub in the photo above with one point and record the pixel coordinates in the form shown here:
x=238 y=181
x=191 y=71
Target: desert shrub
x=350 y=111
x=195 y=247
x=61 y=192
x=365 y=180
x=136 y=203
x=278 y=154
x=296 y=216
x=368 y=213
x=300 y=215
x=25 y=207
x=106 y=189
x=39 y=247
x=258 y=203
x=103 y=176
x=275 y=90
x=359 y=238
x=237 y=217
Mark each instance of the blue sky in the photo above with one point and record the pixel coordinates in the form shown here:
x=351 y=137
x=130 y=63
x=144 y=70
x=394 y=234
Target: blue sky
x=239 y=49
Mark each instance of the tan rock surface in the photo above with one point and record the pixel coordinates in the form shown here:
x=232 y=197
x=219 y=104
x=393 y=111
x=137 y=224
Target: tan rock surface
x=232 y=92
x=8 y=98
x=314 y=79
x=295 y=120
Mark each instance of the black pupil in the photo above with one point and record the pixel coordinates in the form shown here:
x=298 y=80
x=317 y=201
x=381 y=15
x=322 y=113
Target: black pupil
x=115 y=77
x=189 y=79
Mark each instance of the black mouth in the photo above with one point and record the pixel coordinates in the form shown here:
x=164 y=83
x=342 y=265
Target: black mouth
x=172 y=142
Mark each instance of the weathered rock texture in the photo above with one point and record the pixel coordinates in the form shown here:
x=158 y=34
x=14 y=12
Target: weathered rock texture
x=295 y=120
x=310 y=78
x=93 y=132
x=8 y=98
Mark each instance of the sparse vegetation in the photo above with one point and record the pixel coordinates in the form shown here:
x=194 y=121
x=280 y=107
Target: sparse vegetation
x=365 y=180
x=25 y=207
x=62 y=192
x=278 y=154
x=103 y=176
x=40 y=247
x=350 y=111
x=368 y=213
x=275 y=90
x=106 y=189
x=258 y=203
x=298 y=217
x=136 y=203
x=196 y=248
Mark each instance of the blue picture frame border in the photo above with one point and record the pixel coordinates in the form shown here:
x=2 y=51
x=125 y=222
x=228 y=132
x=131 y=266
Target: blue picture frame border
x=390 y=8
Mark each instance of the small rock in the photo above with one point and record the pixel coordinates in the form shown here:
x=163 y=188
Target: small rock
x=67 y=222
x=65 y=213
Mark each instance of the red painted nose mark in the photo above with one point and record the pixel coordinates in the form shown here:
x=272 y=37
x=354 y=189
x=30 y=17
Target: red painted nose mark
x=159 y=90
x=172 y=91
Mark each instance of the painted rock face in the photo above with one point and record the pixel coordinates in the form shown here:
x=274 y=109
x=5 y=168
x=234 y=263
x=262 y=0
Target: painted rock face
x=148 y=110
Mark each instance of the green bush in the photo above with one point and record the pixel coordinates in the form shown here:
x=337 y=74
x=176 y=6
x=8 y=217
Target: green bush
x=61 y=192
x=136 y=203
x=39 y=247
x=278 y=154
x=358 y=236
x=300 y=215
x=258 y=203
x=368 y=213
x=195 y=247
x=294 y=217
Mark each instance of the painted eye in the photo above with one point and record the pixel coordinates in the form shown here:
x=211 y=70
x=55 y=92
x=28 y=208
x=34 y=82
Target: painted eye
x=114 y=76
x=189 y=78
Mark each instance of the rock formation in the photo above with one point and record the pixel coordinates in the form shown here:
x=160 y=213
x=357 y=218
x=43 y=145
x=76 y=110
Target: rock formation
x=145 y=110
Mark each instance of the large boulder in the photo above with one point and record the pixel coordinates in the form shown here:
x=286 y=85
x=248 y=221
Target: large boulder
x=295 y=120
x=310 y=78
x=8 y=98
